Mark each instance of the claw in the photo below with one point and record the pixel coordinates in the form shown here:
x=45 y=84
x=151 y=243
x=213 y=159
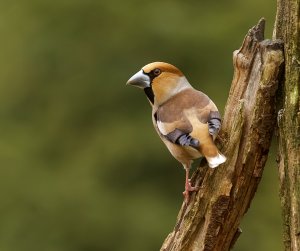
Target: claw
x=188 y=185
x=189 y=188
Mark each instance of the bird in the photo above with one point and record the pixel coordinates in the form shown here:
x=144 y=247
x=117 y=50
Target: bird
x=186 y=119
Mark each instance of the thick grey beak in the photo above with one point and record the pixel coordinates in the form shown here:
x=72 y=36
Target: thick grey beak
x=140 y=79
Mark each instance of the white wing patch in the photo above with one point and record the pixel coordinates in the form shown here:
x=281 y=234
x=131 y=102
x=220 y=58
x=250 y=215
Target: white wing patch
x=162 y=127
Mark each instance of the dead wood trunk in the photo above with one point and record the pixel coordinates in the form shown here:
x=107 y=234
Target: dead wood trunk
x=211 y=219
x=287 y=28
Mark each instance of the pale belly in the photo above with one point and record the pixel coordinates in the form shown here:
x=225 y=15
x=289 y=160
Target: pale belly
x=182 y=153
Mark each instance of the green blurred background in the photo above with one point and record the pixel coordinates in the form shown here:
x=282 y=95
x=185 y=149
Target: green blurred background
x=82 y=169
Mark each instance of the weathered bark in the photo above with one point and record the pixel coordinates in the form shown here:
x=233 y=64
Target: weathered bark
x=211 y=219
x=287 y=28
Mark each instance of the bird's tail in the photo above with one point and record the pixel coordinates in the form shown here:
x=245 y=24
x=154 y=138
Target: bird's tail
x=216 y=160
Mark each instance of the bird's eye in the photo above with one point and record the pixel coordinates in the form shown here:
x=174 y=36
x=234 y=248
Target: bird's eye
x=156 y=71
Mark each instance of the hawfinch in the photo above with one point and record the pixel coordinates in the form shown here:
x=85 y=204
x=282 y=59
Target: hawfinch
x=186 y=120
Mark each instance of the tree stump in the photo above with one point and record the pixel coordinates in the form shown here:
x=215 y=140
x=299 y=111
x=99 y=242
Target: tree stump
x=211 y=219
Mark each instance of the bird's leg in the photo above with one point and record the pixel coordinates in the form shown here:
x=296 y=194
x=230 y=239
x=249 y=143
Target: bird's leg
x=188 y=186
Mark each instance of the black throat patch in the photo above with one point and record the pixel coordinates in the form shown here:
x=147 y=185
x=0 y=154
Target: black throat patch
x=149 y=93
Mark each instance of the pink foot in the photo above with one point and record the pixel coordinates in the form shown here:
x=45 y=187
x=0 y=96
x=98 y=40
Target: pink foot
x=188 y=188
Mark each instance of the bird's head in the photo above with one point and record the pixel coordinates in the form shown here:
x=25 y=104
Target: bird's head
x=160 y=81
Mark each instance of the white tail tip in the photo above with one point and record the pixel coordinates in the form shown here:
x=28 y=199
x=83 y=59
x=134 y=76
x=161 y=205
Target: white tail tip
x=215 y=161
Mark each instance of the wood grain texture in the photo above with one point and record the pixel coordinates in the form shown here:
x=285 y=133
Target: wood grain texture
x=211 y=220
x=287 y=28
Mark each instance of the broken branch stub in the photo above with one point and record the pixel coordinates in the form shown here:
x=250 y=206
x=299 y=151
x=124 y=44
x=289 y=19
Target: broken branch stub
x=211 y=219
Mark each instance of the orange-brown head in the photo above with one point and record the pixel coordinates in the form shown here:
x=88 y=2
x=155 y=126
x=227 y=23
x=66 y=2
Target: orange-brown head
x=160 y=81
